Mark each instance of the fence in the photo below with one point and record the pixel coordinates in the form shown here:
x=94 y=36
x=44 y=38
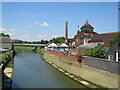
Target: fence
x=63 y=55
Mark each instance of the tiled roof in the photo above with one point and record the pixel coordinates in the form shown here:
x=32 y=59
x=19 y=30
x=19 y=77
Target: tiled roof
x=87 y=25
x=5 y=40
x=107 y=42
x=101 y=37
x=86 y=34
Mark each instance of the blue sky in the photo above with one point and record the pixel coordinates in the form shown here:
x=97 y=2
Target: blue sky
x=38 y=20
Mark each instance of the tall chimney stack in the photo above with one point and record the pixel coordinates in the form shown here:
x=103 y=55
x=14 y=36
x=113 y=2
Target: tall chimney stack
x=66 y=33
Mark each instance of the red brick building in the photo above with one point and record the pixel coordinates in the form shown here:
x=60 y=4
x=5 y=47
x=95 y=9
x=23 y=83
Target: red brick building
x=83 y=36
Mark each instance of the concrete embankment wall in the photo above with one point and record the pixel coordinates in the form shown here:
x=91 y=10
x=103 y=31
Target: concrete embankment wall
x=96 y=76
x=98 y=63
x=103 y=64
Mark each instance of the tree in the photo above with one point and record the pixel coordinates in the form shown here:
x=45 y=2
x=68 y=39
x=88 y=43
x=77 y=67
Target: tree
x=97 y=51
x=116 y=39
x=57 y=40
x=70 y=40
x=4 y=35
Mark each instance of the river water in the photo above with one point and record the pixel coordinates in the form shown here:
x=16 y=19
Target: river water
x=30 y=71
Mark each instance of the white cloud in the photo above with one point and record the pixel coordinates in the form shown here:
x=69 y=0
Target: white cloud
x=54 y=36
x=11 y=30
x=42 y=36
x=48 y=36
x=44 y=24
x=36 y=22
x=57 y=35
x=25 y=36
x=11 y=34
x=3 y=29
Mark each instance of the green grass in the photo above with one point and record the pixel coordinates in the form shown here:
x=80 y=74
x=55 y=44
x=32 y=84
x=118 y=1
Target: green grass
x=40 y=51
x=11 y=64
x=23 y=48
x=18 y=49
x=4 y=56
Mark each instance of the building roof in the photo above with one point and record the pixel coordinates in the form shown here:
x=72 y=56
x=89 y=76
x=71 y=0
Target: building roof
x=102 y=37
x=52 y=45
x=5 y=40
x=113 y=49
x=107 y=42
x=63 y=45
x=87 y=25
x=86 y=34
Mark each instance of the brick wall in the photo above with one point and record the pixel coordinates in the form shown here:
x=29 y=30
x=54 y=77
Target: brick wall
x=62 y=55
x=79 y=42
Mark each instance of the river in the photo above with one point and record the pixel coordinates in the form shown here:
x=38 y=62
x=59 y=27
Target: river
x=30 y=71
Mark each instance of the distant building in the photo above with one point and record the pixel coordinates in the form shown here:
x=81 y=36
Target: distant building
x=63 y=47
x=83 y=36
x=104 y=38
x=60 y=47
x=52 y=46
x=113 y=52
x=5 y=43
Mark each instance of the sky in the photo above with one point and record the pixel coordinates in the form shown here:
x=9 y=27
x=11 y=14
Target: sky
x=34 y=21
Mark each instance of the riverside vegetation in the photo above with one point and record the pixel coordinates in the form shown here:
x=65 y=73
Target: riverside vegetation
x=7 y=68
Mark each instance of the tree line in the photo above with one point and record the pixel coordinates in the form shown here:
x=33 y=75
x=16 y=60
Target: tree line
x=4 y=35
x=54 y=40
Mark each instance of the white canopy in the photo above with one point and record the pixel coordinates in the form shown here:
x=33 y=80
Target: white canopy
x=63 y=45
x=52 y=45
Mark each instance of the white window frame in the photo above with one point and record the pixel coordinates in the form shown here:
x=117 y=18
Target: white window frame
x=110 y=57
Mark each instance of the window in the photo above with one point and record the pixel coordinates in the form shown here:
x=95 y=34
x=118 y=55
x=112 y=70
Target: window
x=110 y=57
x=86 y=40
x=117 y=56
x=77 y=40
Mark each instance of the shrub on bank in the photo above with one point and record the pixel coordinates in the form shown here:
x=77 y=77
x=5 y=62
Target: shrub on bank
x=80 y=54
x=98 y=51
x=6 y=55
x=40 y=51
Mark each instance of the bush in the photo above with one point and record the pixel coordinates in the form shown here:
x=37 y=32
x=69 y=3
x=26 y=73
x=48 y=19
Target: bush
x=116 y=39
x=97 y=51
x=80 y=54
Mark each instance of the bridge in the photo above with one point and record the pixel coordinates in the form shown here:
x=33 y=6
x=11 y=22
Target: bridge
x=31 y=45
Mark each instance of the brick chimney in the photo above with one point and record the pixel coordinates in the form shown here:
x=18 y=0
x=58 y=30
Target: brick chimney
x=66 y=33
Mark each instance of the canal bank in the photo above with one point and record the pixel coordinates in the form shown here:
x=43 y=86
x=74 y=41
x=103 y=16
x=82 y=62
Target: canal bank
x=71 y=75
x=98 y=77
x=7 y=68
